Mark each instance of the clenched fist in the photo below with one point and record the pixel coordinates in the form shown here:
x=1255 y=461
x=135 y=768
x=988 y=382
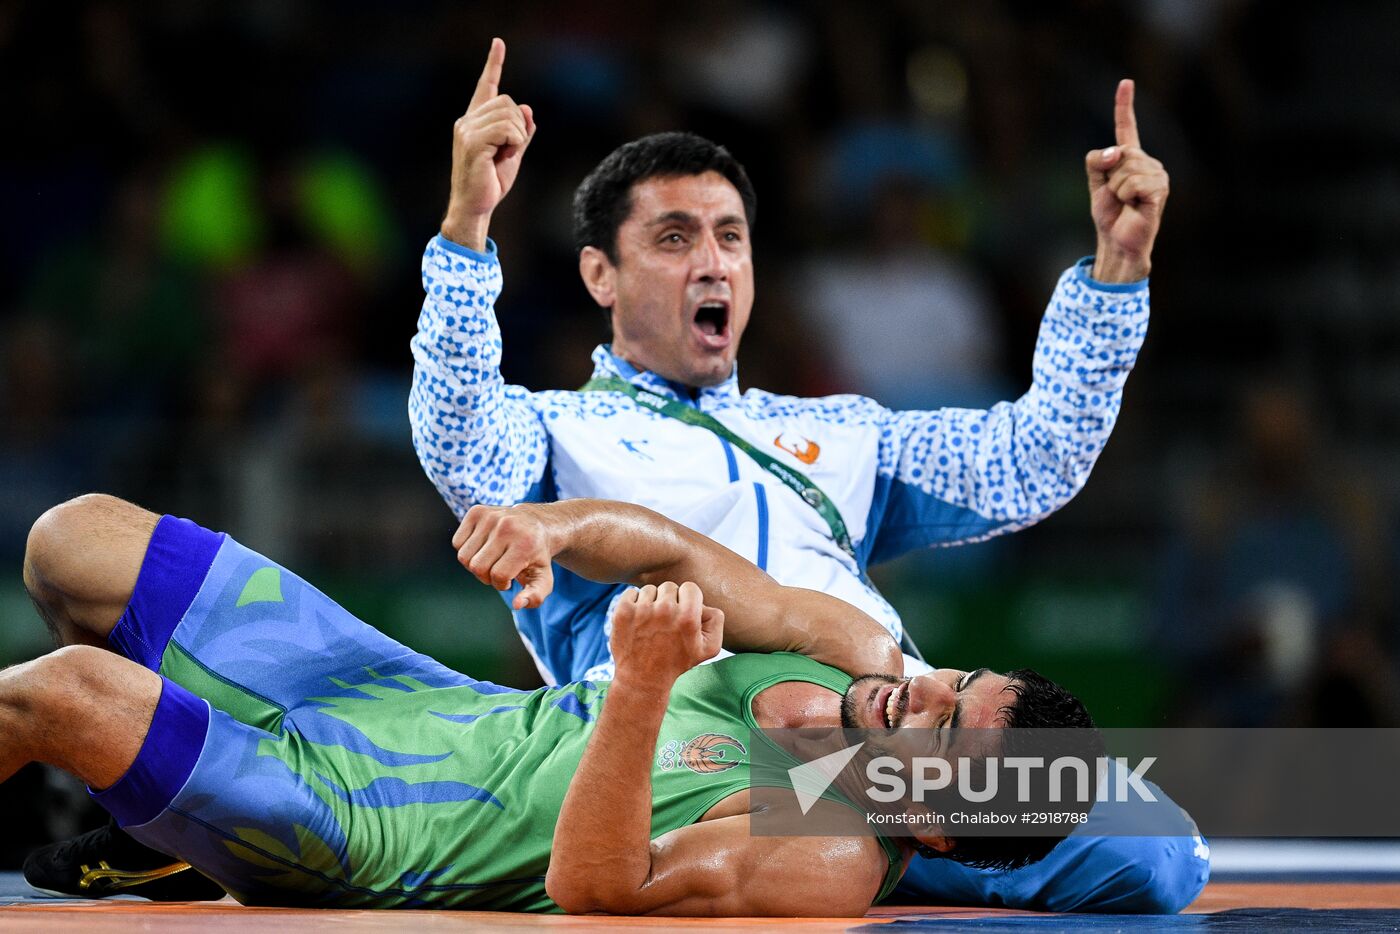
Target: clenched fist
x=501 y=545
x=661 y=632
x=1127 y=192
x=488 y=142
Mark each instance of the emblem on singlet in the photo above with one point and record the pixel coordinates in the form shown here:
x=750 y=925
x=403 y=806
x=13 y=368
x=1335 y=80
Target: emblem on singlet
x=666 y=758
x=708 y=753
x=705 y=754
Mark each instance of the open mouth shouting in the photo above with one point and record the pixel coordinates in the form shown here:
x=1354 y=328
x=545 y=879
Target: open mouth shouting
x=710 y=323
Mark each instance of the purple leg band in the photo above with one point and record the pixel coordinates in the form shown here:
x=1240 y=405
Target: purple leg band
x=167 y=757
x=176 y=562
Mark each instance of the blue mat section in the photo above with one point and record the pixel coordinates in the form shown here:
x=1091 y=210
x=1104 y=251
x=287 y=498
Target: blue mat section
x=1242 y=919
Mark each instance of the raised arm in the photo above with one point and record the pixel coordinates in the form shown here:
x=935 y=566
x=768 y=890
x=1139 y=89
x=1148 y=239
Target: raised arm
x=958 y=475
x=953 y=475
x=488 y=143
x=624 y=543
x=478 y=439
x=1127 y=192
x=604 y=859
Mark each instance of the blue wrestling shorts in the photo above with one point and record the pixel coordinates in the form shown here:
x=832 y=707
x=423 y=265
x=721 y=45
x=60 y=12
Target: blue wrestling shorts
x=297 y=755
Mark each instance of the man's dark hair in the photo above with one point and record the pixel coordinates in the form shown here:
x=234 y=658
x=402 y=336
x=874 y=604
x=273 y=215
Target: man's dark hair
x=604 y=199
x=1043 y=705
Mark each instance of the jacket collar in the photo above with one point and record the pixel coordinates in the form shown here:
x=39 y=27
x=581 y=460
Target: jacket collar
x=606 y=363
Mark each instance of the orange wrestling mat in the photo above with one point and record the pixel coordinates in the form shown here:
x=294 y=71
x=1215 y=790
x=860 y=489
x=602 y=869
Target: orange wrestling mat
x=1232 y=906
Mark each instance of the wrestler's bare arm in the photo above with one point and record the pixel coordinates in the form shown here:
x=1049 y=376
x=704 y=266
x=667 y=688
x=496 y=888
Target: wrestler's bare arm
x=604 y=859
x=620 y=542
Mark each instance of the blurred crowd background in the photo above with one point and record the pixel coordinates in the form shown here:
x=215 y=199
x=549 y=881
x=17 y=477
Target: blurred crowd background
x=209 y=278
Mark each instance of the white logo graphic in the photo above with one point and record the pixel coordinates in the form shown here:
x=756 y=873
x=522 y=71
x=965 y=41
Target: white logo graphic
x=811 y=780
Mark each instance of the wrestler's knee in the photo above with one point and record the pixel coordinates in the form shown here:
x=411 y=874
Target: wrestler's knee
x=82 y=558
x=82 y=709
x=74 y=524
x=86 y=669
x=59 y=685
x=59 y=531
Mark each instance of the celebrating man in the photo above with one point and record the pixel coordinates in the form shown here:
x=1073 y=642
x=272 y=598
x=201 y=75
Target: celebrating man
x=811 y=490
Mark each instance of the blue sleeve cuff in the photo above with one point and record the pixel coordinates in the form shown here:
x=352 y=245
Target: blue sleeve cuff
x=1081 y=272
x=488 y=257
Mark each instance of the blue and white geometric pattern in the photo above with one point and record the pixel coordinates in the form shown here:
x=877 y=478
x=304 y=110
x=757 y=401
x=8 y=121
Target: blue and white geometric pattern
x=901 y=480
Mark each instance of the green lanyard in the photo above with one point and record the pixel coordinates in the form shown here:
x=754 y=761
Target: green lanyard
x=811 y=494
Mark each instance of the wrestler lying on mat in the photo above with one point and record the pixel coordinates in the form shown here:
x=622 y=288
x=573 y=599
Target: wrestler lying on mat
x=231 y=715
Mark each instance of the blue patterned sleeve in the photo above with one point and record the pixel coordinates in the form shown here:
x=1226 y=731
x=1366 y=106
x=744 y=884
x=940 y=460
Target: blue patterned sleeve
x=479 y=440
x=953 y=476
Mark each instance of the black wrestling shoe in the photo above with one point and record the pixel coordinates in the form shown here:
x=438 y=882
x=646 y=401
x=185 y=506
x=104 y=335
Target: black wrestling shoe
x=106 y=861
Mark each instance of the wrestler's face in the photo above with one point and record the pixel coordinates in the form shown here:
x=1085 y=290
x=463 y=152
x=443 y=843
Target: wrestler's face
x=943 y=698
x=681 y=291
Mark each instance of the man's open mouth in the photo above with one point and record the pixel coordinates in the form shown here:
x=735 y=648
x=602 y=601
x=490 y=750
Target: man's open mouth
x=891 y=703
x=711 y=323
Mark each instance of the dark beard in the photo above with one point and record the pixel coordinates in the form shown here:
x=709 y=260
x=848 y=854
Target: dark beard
x=857 y=694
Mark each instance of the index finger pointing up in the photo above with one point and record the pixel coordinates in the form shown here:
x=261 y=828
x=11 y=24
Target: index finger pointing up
x=488 y=85
x=1124 y=120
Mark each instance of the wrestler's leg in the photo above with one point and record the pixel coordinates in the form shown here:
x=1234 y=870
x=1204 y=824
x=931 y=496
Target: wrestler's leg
x=81 y=709
x=81 y=563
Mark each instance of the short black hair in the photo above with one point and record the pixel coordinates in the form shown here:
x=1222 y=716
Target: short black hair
x=1040 y=704
x=604 y=199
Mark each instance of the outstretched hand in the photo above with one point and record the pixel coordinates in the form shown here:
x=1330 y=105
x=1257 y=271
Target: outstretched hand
x=488 y=142
x=661 y=632
x=1127 y=192
x=502 y=545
